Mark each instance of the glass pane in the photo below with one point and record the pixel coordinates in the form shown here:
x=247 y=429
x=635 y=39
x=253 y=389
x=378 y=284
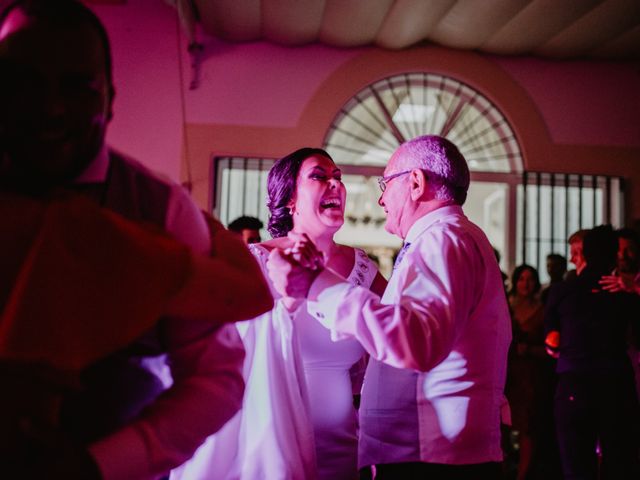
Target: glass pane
x=242 y=189
x=364 y=222
x=376 y=120
x=560 y=206
x=486 y=206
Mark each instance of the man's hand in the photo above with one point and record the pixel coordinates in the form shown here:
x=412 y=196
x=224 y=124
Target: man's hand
x=289 y=277
x=615 y=283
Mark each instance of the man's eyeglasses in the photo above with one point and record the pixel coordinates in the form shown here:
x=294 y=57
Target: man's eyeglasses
x=382 y=181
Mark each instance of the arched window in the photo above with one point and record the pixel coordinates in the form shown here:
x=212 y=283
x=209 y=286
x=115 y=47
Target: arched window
x=390 y=111
x=371 y=125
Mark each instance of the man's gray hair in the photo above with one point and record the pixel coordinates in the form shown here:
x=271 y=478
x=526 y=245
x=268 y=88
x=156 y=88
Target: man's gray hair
x=443 y=164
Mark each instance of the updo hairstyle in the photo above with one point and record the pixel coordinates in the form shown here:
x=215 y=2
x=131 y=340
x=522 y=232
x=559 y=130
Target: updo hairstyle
x=281 y=188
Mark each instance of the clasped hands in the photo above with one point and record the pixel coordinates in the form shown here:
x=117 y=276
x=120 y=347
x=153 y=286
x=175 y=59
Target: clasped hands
x=292 y=270
x=617 y=283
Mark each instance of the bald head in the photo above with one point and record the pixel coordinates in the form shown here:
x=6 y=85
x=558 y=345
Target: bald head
x=441 y=161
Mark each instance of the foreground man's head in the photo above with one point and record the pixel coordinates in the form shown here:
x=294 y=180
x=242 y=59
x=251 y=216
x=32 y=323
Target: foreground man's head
x=56 y=90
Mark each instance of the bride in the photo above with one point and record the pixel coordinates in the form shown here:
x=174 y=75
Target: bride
x=298 y=420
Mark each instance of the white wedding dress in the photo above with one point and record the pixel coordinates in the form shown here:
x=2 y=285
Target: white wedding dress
x=297 y=421
x=330 y=376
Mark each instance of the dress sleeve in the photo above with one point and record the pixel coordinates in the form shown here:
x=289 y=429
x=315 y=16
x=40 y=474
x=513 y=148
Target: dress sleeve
x=272 y=435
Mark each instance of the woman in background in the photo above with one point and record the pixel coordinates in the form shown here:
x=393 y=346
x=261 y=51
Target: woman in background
x=298 y=419
x=527 y=362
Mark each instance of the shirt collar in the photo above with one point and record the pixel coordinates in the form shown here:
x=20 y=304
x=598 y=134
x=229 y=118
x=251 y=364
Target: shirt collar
x=96 y=172
x=424 y=222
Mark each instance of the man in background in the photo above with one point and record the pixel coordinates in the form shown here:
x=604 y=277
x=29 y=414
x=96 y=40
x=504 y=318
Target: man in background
x=595 y=400
x=628 y=265
x=556 y=268
x=575 y=253
x=248 y=228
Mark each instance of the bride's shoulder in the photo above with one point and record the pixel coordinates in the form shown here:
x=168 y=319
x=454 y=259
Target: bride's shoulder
x=268 y=245
x=355 y=257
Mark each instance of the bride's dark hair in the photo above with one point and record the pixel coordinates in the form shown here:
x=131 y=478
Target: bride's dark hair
x=281 y=187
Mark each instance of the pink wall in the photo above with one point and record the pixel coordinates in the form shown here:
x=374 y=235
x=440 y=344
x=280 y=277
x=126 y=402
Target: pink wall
x=147 y=120
x=583 y=103
x=259 y=84
x=263 y=85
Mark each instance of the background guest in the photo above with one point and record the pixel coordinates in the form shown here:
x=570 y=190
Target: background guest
x=575 y=253
x=528 y=372
x=556 y=269
x=596 y=400
x=247 y=227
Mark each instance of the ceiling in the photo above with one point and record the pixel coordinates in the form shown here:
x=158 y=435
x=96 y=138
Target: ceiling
x=605 y=29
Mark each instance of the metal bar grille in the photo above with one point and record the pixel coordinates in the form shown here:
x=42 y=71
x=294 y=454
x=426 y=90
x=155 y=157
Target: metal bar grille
x=594 y=192
x=546 y=208
x=580 y=201
x=241 y=189
x=525 y=182
x=538 y=213
x=563 y=204
x=607 y=199
x=552 y=210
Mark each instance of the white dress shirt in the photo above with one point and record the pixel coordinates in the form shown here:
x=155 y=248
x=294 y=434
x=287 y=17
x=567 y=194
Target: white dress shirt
x=438 y=339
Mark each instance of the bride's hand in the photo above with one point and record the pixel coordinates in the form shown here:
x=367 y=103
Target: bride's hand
x=305 y=252
x=288 y=277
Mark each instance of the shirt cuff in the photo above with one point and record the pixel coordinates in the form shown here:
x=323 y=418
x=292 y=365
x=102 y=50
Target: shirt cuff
x=325 y=297
x=122 y=455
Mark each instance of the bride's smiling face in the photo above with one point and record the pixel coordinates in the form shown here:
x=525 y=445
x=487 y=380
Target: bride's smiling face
x=318 y=204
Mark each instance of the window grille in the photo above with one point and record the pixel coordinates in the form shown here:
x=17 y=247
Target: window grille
x=552 y=206
x=240 y=188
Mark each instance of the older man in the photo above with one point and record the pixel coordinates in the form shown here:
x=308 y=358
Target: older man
x=56 y=94
x=438 y=337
